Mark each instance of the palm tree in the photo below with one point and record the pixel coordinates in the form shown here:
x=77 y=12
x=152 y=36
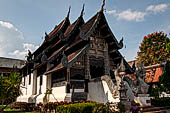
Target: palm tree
x=9 y=89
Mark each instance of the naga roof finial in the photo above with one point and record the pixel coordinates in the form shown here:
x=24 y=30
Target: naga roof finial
x=102 y=8
x=68 y=14
x=82 y=11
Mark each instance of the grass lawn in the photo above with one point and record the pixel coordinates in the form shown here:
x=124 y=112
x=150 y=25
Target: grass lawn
x=16 y=112
x=9 y=110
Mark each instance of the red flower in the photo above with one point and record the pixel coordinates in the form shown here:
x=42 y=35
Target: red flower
x=145 y=37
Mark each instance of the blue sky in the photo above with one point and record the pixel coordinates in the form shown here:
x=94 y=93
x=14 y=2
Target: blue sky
x=23 y=23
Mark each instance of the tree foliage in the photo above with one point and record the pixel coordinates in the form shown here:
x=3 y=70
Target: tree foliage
x=168 y=47
x=9 y=89
x=164 y=80
x=154 y=48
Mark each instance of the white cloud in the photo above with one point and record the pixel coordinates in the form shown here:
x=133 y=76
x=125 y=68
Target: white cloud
x=6 y=24
x=128 y=15
x=24 y=52
x=131 y=15
x=111 y=11
x=12 y=41
x=169 y=28
x=10 y=26
x=30 y=47
x=157 y=8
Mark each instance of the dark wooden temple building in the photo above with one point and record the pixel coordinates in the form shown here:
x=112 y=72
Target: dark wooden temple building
x=72 y=59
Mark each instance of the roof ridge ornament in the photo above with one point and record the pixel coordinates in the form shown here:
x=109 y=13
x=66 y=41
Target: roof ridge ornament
x=82 y=11
x=102 y=8
x=68 y=14
x=120 y=44
x=46 y=36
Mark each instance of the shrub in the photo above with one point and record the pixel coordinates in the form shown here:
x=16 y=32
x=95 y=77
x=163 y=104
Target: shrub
x=121 y=107
x=160 y=102
x=83 y=108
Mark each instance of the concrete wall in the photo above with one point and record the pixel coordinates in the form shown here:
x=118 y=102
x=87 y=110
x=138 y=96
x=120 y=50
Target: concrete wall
x=100 y=92
x=96 y=92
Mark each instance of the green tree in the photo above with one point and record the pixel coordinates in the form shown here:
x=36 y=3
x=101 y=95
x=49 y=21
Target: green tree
x=9 y=89
x=168 y=47
x=154 y=48
x=164 y=80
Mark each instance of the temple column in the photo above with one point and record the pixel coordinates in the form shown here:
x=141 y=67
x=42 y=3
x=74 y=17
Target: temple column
x=49 y=77
x=68 y=80
x=87 y=67
x=87 y=72
x=34 y=89
x=49 y=81
x=106 y=61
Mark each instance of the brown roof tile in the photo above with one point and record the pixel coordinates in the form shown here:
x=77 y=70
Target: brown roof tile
x=38 y=66
x=55 y=53
x=69 y=28
x=71 y=56
x=56 y=29
x=60 y=66
x=85 y=27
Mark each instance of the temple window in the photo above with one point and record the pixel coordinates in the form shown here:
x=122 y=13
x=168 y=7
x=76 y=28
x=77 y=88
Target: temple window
x=78 y=63
x=58 y=77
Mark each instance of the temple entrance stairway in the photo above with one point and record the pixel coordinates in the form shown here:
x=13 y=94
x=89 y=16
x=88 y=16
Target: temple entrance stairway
x=77 y=91
x=111 y=83
x=68 y=97
x=76 y=96
x=79 y=96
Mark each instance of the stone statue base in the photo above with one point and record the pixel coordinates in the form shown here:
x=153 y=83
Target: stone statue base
x=127 y=106
x=143 y=99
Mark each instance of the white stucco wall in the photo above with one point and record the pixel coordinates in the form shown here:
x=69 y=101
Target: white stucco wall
x=41 y=89
x=59 y=94
x=26 y=89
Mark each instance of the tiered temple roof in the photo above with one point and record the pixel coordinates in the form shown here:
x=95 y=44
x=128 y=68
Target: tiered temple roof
x=67 y=42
